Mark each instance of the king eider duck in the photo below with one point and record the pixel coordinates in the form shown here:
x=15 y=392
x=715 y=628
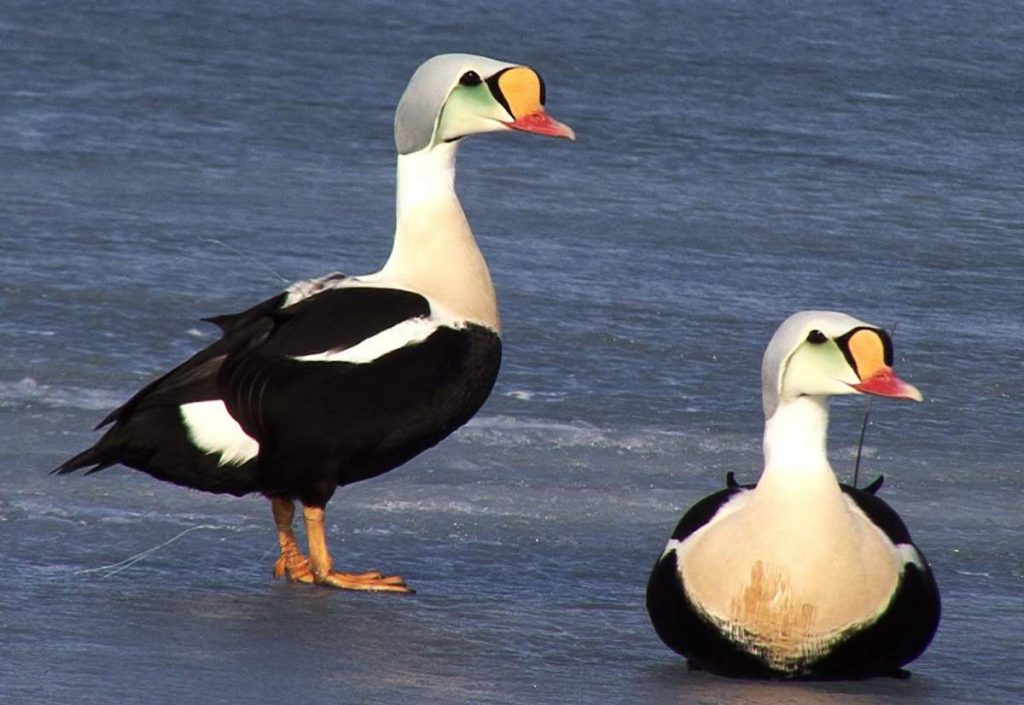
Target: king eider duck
x=342 y=378
x=799 y=576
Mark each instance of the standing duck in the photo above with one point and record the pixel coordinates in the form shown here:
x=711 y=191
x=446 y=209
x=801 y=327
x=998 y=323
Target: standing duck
x=342 y=378
x=799 y=576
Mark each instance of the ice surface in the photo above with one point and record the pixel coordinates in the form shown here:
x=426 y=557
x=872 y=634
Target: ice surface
x=734 y=164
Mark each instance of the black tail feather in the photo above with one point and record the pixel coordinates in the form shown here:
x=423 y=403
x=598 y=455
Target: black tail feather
x=99 y=457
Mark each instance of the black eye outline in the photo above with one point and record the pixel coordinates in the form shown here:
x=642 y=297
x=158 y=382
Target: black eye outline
x=816 y=337
x=470 y=78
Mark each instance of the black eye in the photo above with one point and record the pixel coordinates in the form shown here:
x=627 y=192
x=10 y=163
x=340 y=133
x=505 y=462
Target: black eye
x=816 y=337
x=470 y=78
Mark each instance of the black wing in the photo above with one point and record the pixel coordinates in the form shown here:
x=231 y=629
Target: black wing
x=704 y=511
x=879 y=512
x=196 y=378
x=325 y=422
x=676 y=620
x=337 y=319
x=906 y=626
x=147 y=432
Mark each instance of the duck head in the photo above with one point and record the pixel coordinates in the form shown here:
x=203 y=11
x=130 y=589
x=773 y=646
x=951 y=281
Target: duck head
x=452 y=96
x=824 y=353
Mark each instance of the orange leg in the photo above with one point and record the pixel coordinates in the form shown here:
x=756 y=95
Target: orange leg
x=291 y=562
x=321 y=564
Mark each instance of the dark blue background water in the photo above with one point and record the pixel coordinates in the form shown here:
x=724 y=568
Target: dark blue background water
x=736 y=161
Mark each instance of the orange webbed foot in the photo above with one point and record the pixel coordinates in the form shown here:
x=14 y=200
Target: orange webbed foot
x=370 y=581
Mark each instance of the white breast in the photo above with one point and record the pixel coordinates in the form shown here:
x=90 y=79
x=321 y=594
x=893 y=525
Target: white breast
x=788 y=580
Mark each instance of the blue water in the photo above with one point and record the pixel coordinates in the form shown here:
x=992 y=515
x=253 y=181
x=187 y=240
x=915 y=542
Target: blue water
x=736 y=161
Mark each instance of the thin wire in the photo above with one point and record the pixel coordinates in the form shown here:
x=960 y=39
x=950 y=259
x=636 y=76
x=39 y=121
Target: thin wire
x=864 y=426
x=860 y=443
x=115 y=568
x=245 y=255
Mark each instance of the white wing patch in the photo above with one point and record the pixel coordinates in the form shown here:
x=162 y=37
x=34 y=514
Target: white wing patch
x=408 y=332
x=214 y=430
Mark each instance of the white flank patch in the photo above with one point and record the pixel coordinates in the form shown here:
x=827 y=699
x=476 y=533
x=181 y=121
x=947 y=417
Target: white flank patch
x=909 y=554
x=214 y=430
x=673 y=545
x=408 y=332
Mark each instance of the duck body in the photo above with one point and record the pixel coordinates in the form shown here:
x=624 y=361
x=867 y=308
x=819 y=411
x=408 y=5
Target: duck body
x=799 y=576
x=876 y=646
x=339 y=379
x=291 y=373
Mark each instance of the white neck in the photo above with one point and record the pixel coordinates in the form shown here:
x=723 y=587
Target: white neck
x=434 y=251
x=795 y=445
x=425 y=177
